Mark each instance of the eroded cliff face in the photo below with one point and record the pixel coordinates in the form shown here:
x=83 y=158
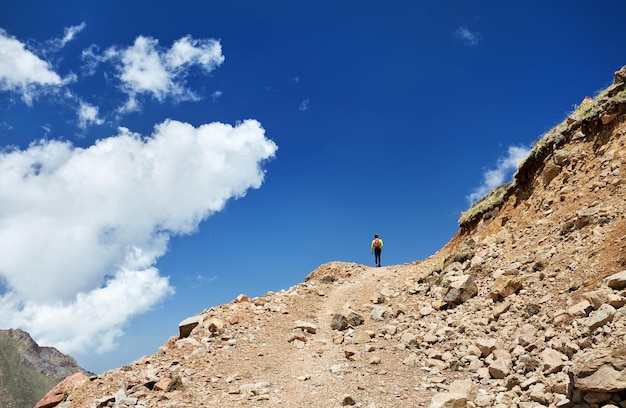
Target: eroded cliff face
x=524 y=307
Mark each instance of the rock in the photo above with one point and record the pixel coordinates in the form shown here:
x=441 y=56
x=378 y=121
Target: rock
x=550 y=171
x=597 y=397
x=600 y=317
x=461 y=289
x=505 y=285
x=598 y=297
x=409 y=338
x=602 y=374
x=464 y=387
x=552 y=361
x=349 y=352
x=381 y=312
x=448 y=400
x=241 y=298
x=361 y=336
x=163 y=385
x=486 y=346
x=580 y=309
x=606 y=119
x=339 y=322
x=215 y=327
x=57 y=393
x=539 y=393
x=526 y=335
x=297 y=334
x=616 y=281
x=355 y=319
x=306 y=326
x=186 y=326
x=426 y=311
x=500 y=308
x=499 y=368
x=260 y=388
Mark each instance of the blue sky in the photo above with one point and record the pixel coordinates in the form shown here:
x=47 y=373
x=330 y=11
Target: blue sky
x=160 y=158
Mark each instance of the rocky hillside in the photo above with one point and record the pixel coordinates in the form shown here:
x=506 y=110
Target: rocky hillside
x=28 y=371
x=524 y=307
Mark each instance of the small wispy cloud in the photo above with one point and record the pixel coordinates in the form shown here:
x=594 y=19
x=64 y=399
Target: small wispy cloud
x=88 y=115
x=304 y=105
x=202 y=280
x=470 y=38
x=69 y=34
x=505 y=167
x=216 y=95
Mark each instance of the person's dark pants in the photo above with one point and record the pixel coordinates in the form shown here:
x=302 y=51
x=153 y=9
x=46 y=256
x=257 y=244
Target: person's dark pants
x=377 y=252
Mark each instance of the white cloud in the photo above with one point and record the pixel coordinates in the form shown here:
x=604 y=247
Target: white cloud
x=23 y=72
x=468 y=37
x=91 y=59
x=88 y=115
x=147 y=69
x=505 y=167
x=206 y=53
x=82 y=228
x=304 y=105
x=68 y=35
x=216 y=95
x=70 y=32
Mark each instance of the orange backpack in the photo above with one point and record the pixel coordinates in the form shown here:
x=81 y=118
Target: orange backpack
x=377 y=243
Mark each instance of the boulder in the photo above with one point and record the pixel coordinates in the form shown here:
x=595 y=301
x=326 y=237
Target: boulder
x=616 y=281
x=339 y=322
x=552 y=361
x=605 y=373
x=57 y=394
x=186 y=326
x=448 y=400
x=460 y=289
x=505 y=285
x=600 y=317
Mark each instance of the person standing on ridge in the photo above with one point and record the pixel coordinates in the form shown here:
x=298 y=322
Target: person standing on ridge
x=377 y=246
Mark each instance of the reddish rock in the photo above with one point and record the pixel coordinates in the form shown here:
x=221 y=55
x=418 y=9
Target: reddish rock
x=57 y=394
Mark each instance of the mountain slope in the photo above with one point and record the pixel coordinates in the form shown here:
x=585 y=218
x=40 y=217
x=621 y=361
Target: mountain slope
x=28 y=371
x=524 y=307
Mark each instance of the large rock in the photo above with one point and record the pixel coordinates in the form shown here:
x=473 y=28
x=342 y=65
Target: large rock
x=600 y=317
x=616 y=281
x=57 y=394
x=505 y=285
x=552 y=361
x=603 y=374
x=186 y=326
x=339 y=322
x=598 y=297
x=461 y=289
x=448 y=400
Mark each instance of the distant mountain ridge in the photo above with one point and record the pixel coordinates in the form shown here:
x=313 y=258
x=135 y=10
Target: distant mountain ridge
x=28 y=371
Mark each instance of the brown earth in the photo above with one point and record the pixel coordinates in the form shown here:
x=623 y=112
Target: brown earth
x=490 y=310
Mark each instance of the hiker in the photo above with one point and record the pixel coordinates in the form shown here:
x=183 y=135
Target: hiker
x=377 y=246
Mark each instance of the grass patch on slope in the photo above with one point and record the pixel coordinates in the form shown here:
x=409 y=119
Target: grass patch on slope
x=24 y=384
